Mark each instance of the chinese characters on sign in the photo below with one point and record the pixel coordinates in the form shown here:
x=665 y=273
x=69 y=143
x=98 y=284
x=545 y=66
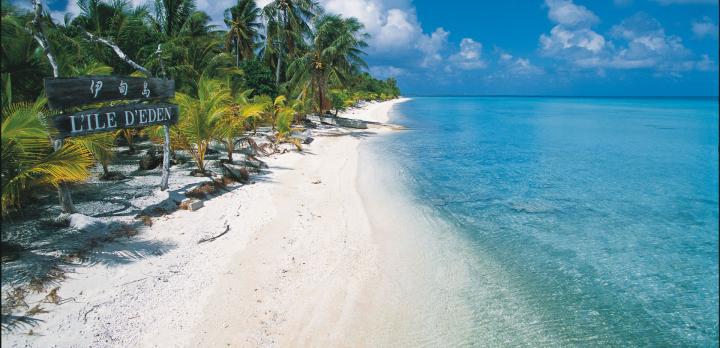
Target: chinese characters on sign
x=145 y=91
x=95 y=87
x=123 y=87
x=64 y=93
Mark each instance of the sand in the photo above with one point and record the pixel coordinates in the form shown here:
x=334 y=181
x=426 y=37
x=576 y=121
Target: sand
x=300 y=265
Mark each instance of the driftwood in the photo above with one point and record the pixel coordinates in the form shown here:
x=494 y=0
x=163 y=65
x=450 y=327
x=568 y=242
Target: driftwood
x=257 y=148
x=339 y=121
x=40 y=37
x=210 y=239
x=118 y=52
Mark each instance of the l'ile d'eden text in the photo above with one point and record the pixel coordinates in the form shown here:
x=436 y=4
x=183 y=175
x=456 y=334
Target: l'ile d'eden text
x=89 y=122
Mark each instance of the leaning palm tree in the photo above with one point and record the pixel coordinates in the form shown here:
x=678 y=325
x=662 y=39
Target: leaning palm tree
x=333 y=57
x=287 y=27
x=243 y=29
x=28 y=159
x=201 y=118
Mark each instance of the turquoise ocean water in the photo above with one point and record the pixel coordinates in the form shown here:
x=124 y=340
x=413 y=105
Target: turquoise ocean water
x=602 y=213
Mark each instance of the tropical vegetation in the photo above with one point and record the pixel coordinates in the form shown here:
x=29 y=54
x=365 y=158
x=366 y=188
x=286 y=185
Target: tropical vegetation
x=266 y=66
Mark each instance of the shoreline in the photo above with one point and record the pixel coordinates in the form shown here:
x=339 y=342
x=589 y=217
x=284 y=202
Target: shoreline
x=297 y=257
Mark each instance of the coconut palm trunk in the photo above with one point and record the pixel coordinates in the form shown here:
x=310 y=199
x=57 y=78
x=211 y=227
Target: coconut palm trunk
x=229 y=143
x=237 y=52
x=64 y=196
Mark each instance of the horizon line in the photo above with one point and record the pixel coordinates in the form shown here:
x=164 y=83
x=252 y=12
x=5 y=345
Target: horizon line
x=561 y=96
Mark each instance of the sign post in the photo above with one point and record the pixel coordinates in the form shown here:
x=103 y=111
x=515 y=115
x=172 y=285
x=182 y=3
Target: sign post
x=64 y=93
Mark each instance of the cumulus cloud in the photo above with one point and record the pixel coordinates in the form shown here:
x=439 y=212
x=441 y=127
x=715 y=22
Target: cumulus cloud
x=431 y=45
x=393 y=26
x=562 y=39
x=469 y=57
x=647 y=45
x=572 y=36
x=705 y=27
x=638 y=42
x=706 y=64
x=385 y=71
x=523 y=66
x=568 y=14
x=515 y=66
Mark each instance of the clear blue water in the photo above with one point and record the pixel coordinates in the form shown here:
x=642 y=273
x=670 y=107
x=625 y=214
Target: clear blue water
x=602 y=212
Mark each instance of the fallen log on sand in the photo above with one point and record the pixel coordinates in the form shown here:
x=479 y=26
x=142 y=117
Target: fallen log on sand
x=348 y=122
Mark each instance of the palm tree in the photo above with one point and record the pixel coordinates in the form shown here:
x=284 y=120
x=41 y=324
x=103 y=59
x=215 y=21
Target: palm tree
x=287 y=26
x=235 y=122
x=191 y=46
x=201 y=118
x=171 y=16
x=20 y=59
x=274 y=109
x=334 y=56
x=243 y=29
x=28 y=159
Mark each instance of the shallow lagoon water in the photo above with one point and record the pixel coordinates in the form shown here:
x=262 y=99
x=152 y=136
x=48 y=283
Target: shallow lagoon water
x=598 y=217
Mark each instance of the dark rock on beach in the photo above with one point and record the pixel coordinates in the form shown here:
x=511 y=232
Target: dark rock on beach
x=252 y=161
x=150 y=160
x=112 y=176
x=236 y=172
x=247 y=151
x=199 y=173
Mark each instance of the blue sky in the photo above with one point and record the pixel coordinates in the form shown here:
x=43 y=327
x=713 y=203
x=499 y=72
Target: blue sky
x=539 y=47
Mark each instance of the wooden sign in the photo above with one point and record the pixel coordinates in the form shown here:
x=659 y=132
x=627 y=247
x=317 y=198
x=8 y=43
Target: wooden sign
x=113 y=118
x=74 y=91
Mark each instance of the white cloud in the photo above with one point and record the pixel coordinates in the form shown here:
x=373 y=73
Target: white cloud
x=505 y=57
x=385 y=71
x=705 y=27
x=214 y=8
x=523 y=66
x=431 y=45
x=648 y=45
x=640 y=43
x=572 y=37
x=469 y=57
x=514 y=66
x=561 y=39
x=706 y=64
x=392 y=24
x=568 y=14
x=398 y=31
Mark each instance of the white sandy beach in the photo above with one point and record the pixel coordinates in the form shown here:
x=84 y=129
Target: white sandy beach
x=299 y=266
